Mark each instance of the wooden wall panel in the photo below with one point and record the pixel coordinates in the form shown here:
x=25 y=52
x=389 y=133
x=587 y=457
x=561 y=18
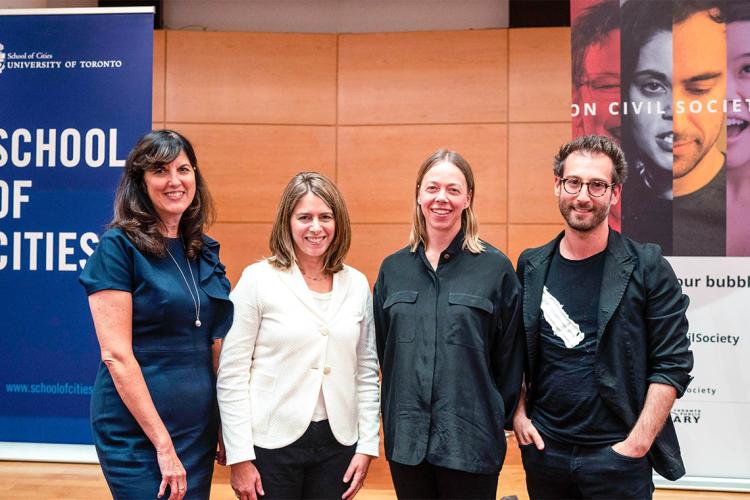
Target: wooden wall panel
x=366 y=110
x=523 y=236
x=531 y=182
x=251 y=78
x=377 y=167
x=241 y=245
x=425 y=77
x=371 y=243
x=157 y=92
x=248 y=166
x=539 y=67
x=494 y=234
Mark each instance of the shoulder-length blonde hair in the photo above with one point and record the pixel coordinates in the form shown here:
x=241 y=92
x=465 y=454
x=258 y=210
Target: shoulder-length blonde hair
x=469 y=223
x=281 y=243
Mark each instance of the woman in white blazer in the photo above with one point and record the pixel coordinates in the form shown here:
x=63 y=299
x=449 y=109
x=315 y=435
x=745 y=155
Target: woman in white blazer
x=298 y=373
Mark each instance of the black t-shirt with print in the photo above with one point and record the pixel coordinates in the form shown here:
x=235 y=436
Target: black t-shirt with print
x=567 y=406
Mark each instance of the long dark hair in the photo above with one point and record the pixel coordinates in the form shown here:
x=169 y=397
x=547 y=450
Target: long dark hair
x=134 y=212
x=641 y=21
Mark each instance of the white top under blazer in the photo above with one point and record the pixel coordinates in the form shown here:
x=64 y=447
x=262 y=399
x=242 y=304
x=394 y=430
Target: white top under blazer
x=282 y=349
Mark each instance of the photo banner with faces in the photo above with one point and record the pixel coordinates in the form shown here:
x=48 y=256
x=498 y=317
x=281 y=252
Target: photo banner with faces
x=670 y=82
x=76 y=87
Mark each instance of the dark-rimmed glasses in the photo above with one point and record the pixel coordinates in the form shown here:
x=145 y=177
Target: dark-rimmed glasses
x=573 y=185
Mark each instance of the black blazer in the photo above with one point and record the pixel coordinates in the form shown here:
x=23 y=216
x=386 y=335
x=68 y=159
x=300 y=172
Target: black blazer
x=642 y=333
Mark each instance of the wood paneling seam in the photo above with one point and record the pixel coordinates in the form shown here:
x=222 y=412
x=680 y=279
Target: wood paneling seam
x=507 y=142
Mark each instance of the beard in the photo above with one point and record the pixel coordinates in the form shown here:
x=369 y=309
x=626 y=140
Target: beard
x=596 y=215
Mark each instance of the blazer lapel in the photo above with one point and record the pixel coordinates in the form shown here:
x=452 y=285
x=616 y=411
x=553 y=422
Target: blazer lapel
x=339 y=293
x=618 y=267
x=533 y=285
x=534 y=276
x=294 y=280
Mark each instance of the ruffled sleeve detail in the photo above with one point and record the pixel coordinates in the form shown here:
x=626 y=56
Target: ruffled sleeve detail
x=214 y=281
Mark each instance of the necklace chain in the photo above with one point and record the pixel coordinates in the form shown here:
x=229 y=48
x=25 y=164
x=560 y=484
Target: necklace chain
x=196 y=298
x=322 y=276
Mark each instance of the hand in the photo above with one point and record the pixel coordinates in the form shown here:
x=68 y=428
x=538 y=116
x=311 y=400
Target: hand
x=172 y=474
x=629 y=450
x=221 y=453
x=245 y=481
x=525 y=431
x=356 y=473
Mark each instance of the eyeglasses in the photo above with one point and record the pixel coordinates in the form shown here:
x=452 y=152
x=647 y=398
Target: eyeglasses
x=573 y=185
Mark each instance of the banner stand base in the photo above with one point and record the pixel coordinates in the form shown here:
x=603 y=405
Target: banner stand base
x=45 y=452
x=704 y=483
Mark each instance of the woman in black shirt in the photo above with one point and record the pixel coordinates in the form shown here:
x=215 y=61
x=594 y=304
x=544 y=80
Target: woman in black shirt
x=447 y=311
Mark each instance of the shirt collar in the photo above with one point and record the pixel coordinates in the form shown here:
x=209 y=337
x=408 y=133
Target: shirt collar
x=449 y=253
x=456 y=245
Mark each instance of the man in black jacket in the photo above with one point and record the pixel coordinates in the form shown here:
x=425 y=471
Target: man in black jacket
x=606 y=340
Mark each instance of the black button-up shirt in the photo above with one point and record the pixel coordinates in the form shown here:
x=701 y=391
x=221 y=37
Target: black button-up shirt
x=451 y=355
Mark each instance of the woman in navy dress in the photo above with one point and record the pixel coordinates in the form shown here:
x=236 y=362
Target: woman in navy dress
x=159 y=298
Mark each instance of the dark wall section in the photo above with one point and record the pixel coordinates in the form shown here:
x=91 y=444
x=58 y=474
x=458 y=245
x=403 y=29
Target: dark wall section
x=539 y=13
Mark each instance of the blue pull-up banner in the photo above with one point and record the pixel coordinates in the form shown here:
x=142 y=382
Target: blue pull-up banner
x=75 y=89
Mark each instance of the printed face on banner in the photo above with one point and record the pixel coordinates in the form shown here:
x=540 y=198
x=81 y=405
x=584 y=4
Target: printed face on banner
x=582 y=211
x=171 y=188
x=600 y=87
x=652 y=84
x=595 y=45
x=699 y=90
x=738 y=138
x=738 y=89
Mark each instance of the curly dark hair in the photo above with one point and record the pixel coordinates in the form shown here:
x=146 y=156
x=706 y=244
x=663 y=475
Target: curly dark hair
x=597 y=144
x=134 y=212
x=686 y=8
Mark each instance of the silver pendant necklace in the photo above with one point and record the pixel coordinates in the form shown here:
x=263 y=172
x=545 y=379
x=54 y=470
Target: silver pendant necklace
x=196 y=298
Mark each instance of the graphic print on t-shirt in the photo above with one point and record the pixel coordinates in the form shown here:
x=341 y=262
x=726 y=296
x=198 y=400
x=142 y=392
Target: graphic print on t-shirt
x=562 y=326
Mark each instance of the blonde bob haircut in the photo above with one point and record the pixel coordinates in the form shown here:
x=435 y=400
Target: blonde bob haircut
x=469 y=223
x=281 y=243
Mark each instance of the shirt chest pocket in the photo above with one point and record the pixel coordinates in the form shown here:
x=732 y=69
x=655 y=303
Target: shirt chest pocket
x=470 y=320
x=401 y=308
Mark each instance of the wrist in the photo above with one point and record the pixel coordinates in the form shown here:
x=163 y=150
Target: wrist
x=520 y=415
x=637 y=447
x=242 y=465
x=164 y=449
x=163 y=444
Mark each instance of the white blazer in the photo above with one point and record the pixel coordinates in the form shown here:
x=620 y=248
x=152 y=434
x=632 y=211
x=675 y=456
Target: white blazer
x=282 y=349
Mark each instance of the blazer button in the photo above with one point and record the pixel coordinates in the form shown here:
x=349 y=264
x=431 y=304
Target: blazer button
x=326 y=370
x=324 y=331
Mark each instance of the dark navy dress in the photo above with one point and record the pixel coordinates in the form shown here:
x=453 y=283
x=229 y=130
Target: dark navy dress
x=175 y=358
